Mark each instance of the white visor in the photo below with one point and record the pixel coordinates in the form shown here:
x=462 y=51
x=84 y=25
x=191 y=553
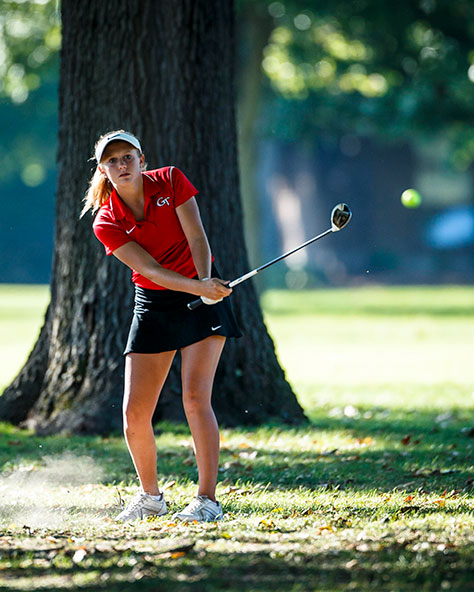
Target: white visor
x=102 y=145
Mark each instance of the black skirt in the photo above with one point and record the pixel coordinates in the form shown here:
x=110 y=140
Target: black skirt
x=163 y=322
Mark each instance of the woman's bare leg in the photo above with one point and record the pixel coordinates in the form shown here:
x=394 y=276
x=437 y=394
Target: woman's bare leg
x=145 y=375
x=198 y=368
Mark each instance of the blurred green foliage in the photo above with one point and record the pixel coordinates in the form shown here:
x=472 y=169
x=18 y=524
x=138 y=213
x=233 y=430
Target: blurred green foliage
x=30 y=38
x=371 y=68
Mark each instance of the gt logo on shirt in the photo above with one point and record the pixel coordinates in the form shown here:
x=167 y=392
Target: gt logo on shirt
x=163 y=201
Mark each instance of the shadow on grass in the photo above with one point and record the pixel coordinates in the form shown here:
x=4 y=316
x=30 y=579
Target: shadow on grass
x=392 y=567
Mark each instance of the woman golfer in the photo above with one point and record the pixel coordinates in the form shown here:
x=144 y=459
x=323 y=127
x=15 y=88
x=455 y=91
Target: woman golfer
x=150 y=221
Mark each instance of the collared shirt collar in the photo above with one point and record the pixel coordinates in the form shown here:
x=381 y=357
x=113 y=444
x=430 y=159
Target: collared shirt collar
x=120 y=209
x=150 y=186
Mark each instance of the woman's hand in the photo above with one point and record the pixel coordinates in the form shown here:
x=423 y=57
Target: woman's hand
x=213 y=290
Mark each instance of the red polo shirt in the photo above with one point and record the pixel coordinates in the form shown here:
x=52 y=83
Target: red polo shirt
x=160 y=232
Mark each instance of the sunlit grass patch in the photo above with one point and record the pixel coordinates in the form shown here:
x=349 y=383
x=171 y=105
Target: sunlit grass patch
x=22 y=310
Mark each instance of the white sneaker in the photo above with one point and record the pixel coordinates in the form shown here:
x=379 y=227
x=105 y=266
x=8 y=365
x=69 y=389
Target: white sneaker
x=201 y=509
x=143 y=505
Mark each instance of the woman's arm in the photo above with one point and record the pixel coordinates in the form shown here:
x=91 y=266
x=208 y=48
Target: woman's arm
x=190 y=220
x=135 y=257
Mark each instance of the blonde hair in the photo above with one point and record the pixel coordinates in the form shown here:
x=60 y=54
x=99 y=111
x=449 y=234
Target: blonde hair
x=100 y=187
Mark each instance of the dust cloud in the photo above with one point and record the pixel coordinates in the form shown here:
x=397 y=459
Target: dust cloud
x=62 y=488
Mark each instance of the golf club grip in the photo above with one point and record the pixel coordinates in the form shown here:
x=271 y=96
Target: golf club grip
x=194 y=304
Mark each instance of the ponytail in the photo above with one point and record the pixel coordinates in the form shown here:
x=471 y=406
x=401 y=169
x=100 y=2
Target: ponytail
x=98 y=193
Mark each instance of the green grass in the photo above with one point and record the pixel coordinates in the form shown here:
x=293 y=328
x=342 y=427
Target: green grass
x=390 y=347
x=21 y=316
x=376 y=494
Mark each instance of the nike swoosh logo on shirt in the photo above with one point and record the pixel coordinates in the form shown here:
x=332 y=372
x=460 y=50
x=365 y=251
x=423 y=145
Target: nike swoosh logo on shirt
x=215 y=328
x=129 y=231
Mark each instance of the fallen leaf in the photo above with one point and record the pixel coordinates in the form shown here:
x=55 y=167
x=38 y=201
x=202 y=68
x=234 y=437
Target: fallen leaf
x=327 y=527
x=409 y=498
x=406 y=440
x=230 y=490
x=168 y=485
x=268 y=524
x=236 y=490
x=79 y=555
x=178 y=551
x=420 y=473
x=329 y=452
x=367 y=441
x=441 y=503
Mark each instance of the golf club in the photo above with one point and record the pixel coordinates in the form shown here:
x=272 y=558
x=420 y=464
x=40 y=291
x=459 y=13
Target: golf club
x=340 y=216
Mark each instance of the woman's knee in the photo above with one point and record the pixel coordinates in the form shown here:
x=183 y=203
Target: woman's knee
x=135 y=416
x=196 y=399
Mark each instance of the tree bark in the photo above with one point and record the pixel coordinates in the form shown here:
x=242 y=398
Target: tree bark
x=163 y=70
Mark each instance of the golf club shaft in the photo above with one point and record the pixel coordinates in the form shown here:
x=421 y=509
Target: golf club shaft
x=287 y=254
x=195 y=303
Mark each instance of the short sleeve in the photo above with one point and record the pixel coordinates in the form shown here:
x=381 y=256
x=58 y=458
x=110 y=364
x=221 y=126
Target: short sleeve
x=109 y=233
x=183 y=189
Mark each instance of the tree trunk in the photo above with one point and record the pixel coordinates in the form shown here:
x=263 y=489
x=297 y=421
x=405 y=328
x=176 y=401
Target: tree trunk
x=163 y=70
x=254 y=28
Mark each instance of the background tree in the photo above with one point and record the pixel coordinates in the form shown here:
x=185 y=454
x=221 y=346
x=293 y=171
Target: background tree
x=339 y=64
x=165 y=71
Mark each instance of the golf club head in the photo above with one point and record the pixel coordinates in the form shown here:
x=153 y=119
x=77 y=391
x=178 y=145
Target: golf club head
x=340 y=216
